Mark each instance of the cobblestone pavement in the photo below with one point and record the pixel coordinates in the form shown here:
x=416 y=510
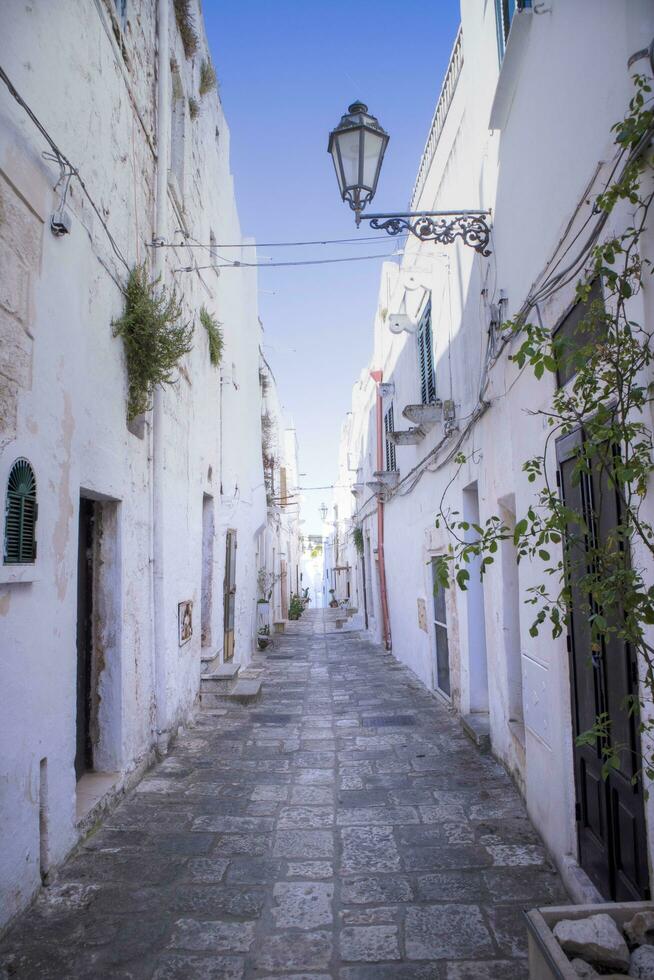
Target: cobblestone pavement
x=342 y=827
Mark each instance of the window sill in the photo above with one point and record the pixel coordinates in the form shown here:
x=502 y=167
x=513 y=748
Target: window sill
x=17 y=574
x=514 y=55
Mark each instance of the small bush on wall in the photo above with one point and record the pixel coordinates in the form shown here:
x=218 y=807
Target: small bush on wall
x=154 y=336
x=193 y=107
x=207 y=77
x=186 y=26
x=215 y=335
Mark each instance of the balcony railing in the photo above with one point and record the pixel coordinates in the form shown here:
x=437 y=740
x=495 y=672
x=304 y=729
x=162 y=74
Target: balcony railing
x=440 y=115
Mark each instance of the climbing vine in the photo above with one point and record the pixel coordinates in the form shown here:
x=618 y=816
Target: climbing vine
x=154 y=336
x=604 y=387
x=357 y=537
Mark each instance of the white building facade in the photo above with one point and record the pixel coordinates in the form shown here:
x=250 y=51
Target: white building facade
x=522 y=129
x=143 y=557
x=279 y=547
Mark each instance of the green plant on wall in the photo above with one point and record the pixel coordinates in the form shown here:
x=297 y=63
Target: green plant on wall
x=186 y=26
x=214 y=334
x=207 y=77
x=193 y=107
x=357 y=537
x=589 y=569
x=154 y=336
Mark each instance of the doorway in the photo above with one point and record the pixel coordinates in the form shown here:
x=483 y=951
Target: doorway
x=207 y=570
x=85 y=552
x=441 y=672
x=229 y=595
x=609 y=809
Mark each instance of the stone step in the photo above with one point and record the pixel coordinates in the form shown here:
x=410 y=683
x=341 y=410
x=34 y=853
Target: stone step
x=477 y=728
x=243 y=691
x=223 y=678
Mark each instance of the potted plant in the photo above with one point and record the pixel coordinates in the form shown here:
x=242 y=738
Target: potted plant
x=296 y=606
x=333 y=602
x=263 y=637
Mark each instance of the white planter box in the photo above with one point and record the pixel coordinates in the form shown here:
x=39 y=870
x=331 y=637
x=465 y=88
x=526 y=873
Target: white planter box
x=547 y=961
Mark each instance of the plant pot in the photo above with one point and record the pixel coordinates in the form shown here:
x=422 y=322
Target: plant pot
x=262 y=642
x=547 y=961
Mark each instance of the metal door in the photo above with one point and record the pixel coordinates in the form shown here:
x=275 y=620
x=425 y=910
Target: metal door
x=83 y=747
x=229 y=593
x=609 y=811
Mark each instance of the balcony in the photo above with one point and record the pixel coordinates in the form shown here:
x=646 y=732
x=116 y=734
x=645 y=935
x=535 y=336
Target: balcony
x=424 y=417
x=384 y=480
x=440 y=115
x=407 y=437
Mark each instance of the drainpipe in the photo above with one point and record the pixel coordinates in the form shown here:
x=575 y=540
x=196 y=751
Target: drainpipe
x=158 y=468
x=377 y=377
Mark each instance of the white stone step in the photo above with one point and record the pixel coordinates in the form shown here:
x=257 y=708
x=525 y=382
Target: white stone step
x=245 y=692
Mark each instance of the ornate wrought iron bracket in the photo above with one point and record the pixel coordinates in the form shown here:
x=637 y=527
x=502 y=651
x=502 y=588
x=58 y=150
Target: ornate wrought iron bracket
x=436 y=226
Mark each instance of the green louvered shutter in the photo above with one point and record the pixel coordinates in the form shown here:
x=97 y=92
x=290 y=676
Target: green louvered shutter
x=21 y=511
x=389 y=426
x=426 y=359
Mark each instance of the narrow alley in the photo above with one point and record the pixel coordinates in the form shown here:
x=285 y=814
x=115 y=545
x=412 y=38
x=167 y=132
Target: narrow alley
x=342 y=826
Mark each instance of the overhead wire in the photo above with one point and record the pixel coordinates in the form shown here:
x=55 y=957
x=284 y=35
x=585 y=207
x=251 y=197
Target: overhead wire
x=226 y=264
x=323 y=241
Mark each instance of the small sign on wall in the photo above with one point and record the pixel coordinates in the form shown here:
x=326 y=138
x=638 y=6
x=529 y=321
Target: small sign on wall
x=185 y=621
x=422 y=615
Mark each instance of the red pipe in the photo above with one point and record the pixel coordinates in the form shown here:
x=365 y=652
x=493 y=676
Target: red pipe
x=377 y=377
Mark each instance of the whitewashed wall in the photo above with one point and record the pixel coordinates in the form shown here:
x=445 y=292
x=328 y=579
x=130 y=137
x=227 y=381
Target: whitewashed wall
x=564 y=82
x=92 y=83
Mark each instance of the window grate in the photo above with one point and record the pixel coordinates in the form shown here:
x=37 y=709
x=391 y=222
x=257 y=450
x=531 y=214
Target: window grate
x=21 y=512
x=426 y=359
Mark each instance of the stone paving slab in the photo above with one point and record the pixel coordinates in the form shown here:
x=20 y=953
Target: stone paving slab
x=306 y=837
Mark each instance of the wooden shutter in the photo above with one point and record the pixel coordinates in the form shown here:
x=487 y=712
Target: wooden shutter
x=426 y=359
x=389 y=426
x=21 y=511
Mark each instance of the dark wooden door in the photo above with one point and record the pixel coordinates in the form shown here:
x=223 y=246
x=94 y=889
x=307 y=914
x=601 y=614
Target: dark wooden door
x=610 y=812
x=229 y=595
x=83 y=748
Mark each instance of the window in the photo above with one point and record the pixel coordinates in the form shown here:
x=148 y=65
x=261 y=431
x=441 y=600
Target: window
x=21 y=511
x=504 y=11
x=440 y=630
x=389 y=426
x=576 y=331
x=426 y=359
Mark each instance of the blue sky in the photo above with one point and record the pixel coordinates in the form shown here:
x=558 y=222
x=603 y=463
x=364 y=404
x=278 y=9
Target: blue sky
x=287 y=71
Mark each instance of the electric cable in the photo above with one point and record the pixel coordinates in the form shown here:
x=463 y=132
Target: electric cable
x=272 y=265
x=326 y=241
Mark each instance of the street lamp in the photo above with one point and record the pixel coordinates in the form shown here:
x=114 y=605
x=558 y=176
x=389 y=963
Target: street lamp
x=357 y=146
x=322 y=510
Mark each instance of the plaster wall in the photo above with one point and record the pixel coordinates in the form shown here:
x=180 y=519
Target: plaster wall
x=92 y=83
x=554 y=102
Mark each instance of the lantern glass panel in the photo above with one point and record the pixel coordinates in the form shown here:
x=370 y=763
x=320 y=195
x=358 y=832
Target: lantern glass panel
x=372 y=150
x=348 y=144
